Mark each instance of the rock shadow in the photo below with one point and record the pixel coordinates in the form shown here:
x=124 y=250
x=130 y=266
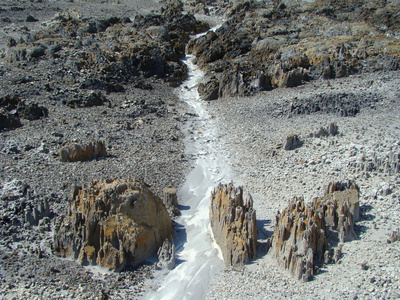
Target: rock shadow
x=364 y=216
x=263 y=236
x=179 y=240
x=184 y=207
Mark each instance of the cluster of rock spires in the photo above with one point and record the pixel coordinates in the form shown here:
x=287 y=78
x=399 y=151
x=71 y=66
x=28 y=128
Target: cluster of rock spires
x=234 y=225
x=386 y=162
x=309 y=235
x=306 y=236
x=112 y=223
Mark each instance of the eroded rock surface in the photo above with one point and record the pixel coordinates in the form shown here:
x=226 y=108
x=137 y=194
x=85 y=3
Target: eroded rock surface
x=77 y=152
x=234 y=224
x=112 y=223
x=264 y=45
x=170 y=200
x=309 y=235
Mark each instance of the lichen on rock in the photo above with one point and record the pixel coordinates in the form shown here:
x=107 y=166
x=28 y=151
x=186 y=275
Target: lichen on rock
x=308 y=235
x=234 y=224
x=112 y=223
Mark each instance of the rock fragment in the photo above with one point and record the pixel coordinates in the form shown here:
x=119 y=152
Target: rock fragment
x=293 y=142
x=78 y=152
x=166 y=255
x=234 y=224
x=170 y=201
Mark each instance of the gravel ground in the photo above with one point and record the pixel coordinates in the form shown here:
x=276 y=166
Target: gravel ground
x=142 y=133
x=252 y=132
x=253 y=136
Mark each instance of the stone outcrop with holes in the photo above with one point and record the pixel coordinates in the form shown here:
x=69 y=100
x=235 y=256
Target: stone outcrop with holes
x=309 y=235
x=77 y=152
x=234 y=224
x=112 y=223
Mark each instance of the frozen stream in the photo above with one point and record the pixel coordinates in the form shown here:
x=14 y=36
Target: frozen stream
x=198 y=259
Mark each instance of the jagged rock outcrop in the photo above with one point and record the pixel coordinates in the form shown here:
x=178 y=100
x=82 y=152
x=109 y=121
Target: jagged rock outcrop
x=309 y=235
x=12 y=108
x=234 y=224
x=112 y=223
x=385 y=162
x=90 y=99
x=292 y=44
x=77 y=152
x=342 y=104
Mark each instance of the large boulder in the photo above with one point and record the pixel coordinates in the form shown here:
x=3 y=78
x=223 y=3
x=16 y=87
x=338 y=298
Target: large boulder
x=234 y=224
x=112 y=223
x=309 y=235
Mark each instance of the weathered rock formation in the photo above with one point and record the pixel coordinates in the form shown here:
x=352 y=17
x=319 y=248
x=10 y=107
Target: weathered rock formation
x=342 y=104
x=12 y=108
x=267 y=44
x=234 y=224
x=112 y=223
x=77 y=152
x=170 y=200
x=386 y=162
x=309 y=235
x=90 y=99
x=292 y=142
x=331 y=130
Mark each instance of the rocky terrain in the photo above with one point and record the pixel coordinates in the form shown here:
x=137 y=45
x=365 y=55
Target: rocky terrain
x=308 y=93
x=364 y=150
x=63 y=125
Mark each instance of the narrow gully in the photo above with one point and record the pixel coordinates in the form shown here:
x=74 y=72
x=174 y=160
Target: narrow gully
x=198 y=258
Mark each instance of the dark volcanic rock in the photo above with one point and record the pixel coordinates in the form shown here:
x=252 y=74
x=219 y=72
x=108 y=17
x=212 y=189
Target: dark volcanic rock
x=234 y=224
x=8 y=120
x=89 y=99
x=12 y=108
x=32 y=111
x=309 y=235
x=299 y=42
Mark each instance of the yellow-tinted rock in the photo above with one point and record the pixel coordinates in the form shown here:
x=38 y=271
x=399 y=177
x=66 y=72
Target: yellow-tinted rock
x=308 y=235
x=77 y=152
x=234 y=224
x=113 y=223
